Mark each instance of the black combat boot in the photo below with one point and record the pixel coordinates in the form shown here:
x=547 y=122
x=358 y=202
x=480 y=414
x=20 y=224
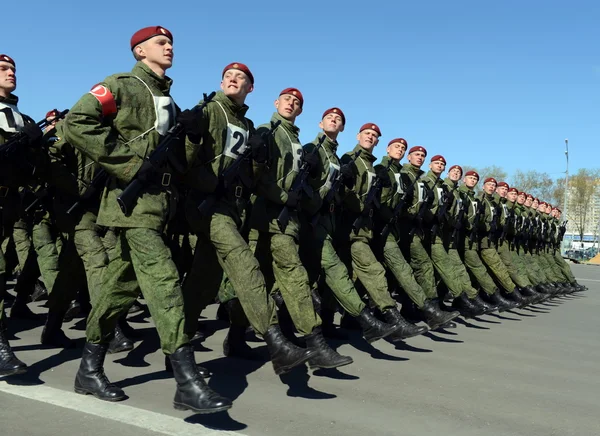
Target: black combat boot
x=9 y=363
x=374 y=329
x=466 y=306
x=52 y=335
x=434 y=316
x=192 y=391
x=20 y=310
x=90 y=378
x=516 y=296
x=40 y=292
x=530 y=293
x=286 y=323
x=284 y=354
x=483 y=305
x=407 y=330
x=325 y=356
x=235 y=344
x=544 y=291
x=502 y=303
x=120 y=342
x=203 y=371
x=327 y=325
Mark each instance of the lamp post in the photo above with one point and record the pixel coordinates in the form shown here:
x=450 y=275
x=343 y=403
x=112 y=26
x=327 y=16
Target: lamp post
x=566 y=205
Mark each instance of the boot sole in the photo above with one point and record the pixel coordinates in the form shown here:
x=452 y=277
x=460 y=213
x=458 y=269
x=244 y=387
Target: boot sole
x=13 y=372
x=391 y=332
x=330 y=366
x=180 y=406
x=287 y=368
x=120 y=349
x=111 y=400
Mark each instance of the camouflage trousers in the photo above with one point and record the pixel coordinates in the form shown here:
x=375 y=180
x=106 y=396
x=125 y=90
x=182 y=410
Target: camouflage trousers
x=280 y=264
x=564 y=267
x=512 y=266
x=462 y=276
x=221 y=250
x=491 y=259
x=422 y=267
x=478 y=271
x=140 y=256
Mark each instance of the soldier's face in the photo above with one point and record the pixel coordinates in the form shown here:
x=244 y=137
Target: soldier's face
x=521 y=199
x=416 y=158
x=396 y=150
x=236 y=85
x=489 y=188
x=368 y=139
x=548 y=209
x=511 y=196
x=157 y=50
x=455 y=174
x=437 y=167
x=470 y=181
x=8 y=78
x=288 y=106
x=535 y=204
x=528 y=201
x=501 y=191
x=332 y=124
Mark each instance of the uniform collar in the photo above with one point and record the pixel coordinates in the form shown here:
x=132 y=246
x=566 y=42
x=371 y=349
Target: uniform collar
x=364 y=154
x=328 y=142
x=395 y=165
x=410 y=168
x=287 y=124
x=145 y=73
x=11 y=99
x=232 y=106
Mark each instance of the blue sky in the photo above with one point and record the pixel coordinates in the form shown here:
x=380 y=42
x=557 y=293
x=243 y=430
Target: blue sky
x=482 y=83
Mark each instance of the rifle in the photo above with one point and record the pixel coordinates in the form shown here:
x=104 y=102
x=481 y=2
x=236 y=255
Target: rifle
x=330 y=196
x=493 y=224
x=371 y=200
x=299 y=185
x=506 y=227
x=157 y=158
x=398 y=209
x=440 y=217
x=19 y=138
x=459 y=220
x=39 y=195
x=425 y=205
x=91 y=193
x=476 y=220
x=228 y=174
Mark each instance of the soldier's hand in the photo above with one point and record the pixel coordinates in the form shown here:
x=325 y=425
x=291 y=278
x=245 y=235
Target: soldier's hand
x=312 y=160
x=192 y=124
x=382 y=174
x=258 y=148
x=348 y=172
x=292 y=200
x=33 y=133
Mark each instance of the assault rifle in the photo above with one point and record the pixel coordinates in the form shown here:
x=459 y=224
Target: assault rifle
x=459 y=219
x=227 y=176
x=299 y=186
x=371 y=201
x=91 y=192
x=493 y=224
x=398 y=209
x=428 y=197
x=39 y=195
x=474 y=237
x=510 y=216
x=330 y=196
x=20 y=138
x=440 y=217
x=156 y=160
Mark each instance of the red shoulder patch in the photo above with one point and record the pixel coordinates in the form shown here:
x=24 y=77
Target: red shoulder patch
x=106 y=99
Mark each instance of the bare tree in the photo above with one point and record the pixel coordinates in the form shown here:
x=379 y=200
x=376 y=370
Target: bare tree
x=538 y=184
x=582 y=188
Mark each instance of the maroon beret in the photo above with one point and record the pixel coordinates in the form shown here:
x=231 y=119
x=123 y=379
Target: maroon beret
x=295 y=92
x=513 y=190
x=370 y=126
x=241 y=67
x=472 y=173
x=417 y=148
x=335 y=110
x=529 y=195
x=523 y=193
x=7 y=58
x=542 y=203
x=53 y=113
x=438 y=157
x=536 y=199
x=556 y=208
x=502 y=185
x=490 y=179
x=400 y=140
x=456 y=166
x=149 y=32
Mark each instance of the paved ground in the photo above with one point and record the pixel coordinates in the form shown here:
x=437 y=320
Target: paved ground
x=527 y=372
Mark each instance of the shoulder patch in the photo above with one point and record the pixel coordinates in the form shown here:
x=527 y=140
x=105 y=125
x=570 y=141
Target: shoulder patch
x=106 y=99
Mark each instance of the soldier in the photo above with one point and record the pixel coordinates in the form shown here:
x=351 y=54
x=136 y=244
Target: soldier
x=219 y=137
x=357 y=228
x=558 y=233
x=470 y=243
x=393 y=259
x=320 y=219
x=503 y=224
x=118 y=124
x=277 y=246
x=14 y=173
x=468 y=301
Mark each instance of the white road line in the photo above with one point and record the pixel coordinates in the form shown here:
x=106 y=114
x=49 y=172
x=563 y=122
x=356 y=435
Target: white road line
x=588 y=280
x=157 y=422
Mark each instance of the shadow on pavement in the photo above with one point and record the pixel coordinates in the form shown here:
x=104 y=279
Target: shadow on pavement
x=405 y=347
x=358 y=342
x=442 y=339
x=217 y=421
x=297 y=381
x=469 y=325
x=136 y=357
x=230 y=374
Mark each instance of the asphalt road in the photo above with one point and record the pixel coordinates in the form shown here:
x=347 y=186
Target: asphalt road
x=525 y=372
